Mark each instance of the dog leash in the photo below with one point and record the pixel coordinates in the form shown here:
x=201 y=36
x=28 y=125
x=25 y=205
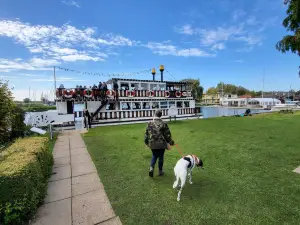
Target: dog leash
x=180 y=152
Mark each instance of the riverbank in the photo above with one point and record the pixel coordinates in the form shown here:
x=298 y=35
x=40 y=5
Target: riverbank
x=248 y=176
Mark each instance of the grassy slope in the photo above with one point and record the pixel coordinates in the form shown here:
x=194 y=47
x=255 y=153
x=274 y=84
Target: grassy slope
x=248 y=176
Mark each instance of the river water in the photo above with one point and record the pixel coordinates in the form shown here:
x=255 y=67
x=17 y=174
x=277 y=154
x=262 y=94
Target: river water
x=209 y=112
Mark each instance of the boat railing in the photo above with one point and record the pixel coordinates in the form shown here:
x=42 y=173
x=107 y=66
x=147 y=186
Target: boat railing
x=96 y=94
x=124 y=114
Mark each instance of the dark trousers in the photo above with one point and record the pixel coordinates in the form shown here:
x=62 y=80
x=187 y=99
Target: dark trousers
x=157 y=154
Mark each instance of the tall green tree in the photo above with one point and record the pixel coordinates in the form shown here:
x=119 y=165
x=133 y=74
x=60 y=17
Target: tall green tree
x=6 y=112
x=291 y=42
x=197 y=89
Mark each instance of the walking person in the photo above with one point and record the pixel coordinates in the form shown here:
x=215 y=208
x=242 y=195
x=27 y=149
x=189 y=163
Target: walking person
x=88 y=116
x=158 y=138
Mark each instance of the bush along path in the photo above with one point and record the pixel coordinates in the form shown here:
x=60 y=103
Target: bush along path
x=24 y=169
x=75 y=194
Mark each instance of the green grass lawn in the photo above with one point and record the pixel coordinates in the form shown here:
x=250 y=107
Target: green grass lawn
x=247 y=179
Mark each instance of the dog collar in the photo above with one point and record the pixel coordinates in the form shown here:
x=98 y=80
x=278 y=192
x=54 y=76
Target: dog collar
x=189 y=160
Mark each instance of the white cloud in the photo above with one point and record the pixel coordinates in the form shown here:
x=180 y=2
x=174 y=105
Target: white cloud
x=7 y=65
x=168 y=49
x=71 y=3
x=213 y=36
x=76 y=57
x=219 y=46
x=66 y=43
x=250 y=39
x=186 y=29
x=251 y=21
x=238 y=14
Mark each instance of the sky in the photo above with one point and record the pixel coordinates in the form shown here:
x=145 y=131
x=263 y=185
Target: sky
x=230 y=41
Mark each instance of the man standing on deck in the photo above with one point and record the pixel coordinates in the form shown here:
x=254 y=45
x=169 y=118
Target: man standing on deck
x=158 y=138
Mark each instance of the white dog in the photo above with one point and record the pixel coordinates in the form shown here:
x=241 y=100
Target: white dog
x=184 y=168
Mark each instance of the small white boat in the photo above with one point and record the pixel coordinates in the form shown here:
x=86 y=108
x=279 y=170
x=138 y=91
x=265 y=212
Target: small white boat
x=288 y=106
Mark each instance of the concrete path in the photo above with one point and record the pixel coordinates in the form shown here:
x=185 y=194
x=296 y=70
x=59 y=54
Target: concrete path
x=75 y=193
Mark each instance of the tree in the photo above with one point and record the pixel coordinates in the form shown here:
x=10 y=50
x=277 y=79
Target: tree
x=212 y=90
x=26 y=100
x=197 y=89
x=17 y=124
x=292 y=24
x=6 y=111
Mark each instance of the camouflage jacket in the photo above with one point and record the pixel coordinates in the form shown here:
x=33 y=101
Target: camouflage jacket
x=158 y=134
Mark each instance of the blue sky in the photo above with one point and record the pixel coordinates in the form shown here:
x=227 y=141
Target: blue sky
x=216 y=40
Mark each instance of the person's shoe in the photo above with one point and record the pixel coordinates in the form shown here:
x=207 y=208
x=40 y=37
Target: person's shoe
x=151 y=172
x=161 y=173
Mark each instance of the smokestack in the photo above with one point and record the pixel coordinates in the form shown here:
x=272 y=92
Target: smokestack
x=153 y=73
x=161 y=68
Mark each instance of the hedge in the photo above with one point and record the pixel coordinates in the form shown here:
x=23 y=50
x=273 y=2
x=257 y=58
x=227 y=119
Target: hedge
x=24 y=169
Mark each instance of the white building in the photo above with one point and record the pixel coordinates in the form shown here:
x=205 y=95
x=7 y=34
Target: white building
x=249 y=102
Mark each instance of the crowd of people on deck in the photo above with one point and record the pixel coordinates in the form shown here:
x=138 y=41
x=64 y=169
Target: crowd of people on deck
x=101 y=87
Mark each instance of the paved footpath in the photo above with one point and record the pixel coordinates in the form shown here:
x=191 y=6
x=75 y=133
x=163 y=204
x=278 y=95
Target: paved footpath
x=75 y=193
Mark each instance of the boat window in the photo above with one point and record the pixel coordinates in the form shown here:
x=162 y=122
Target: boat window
x=136 y=105
x=153 y=87
x=110 y=106
x=162 y=87
x=186 y=104
x=144 y=86
x=134 y=86
x=183 y=88
x=179 y=104
x=146 y=105
x=163 y=105
x=124 y=86
x=171 y=104
x=125 y=106
x=155 y=105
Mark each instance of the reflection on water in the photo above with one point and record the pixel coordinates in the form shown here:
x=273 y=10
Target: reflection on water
x=209 y=112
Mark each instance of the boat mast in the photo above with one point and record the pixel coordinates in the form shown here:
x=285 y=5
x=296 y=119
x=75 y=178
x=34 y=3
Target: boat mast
x=262 y=91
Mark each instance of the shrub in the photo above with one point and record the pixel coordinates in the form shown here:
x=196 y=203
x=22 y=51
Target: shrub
x=24 y=169
x=6 y=111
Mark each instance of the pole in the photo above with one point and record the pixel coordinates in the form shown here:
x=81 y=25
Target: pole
x=54 y=78
x=262 y=91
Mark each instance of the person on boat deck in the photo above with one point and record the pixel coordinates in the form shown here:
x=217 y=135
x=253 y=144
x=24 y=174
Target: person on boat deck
x=104 y=90
x=157 y=138
x=116 y=87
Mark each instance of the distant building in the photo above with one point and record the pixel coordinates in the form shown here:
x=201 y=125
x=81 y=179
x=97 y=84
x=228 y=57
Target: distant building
x=216 y=99
x=250 y=102
x=211 y=99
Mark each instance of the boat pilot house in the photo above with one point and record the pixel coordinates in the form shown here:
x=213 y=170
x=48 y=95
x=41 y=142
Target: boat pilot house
x=130 y=99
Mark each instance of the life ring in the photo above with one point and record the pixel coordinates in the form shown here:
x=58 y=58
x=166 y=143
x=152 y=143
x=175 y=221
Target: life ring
x=188 y=93
x=178 y=94
x=131 y=93
x=68 y=93
x=184 y=94
x=167 y=94
x=88 y=93
x=150 y=94
x=110 y=93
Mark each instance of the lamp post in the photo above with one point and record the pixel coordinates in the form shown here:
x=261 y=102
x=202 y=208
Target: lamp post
x=153 y=73
x=161 y=69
